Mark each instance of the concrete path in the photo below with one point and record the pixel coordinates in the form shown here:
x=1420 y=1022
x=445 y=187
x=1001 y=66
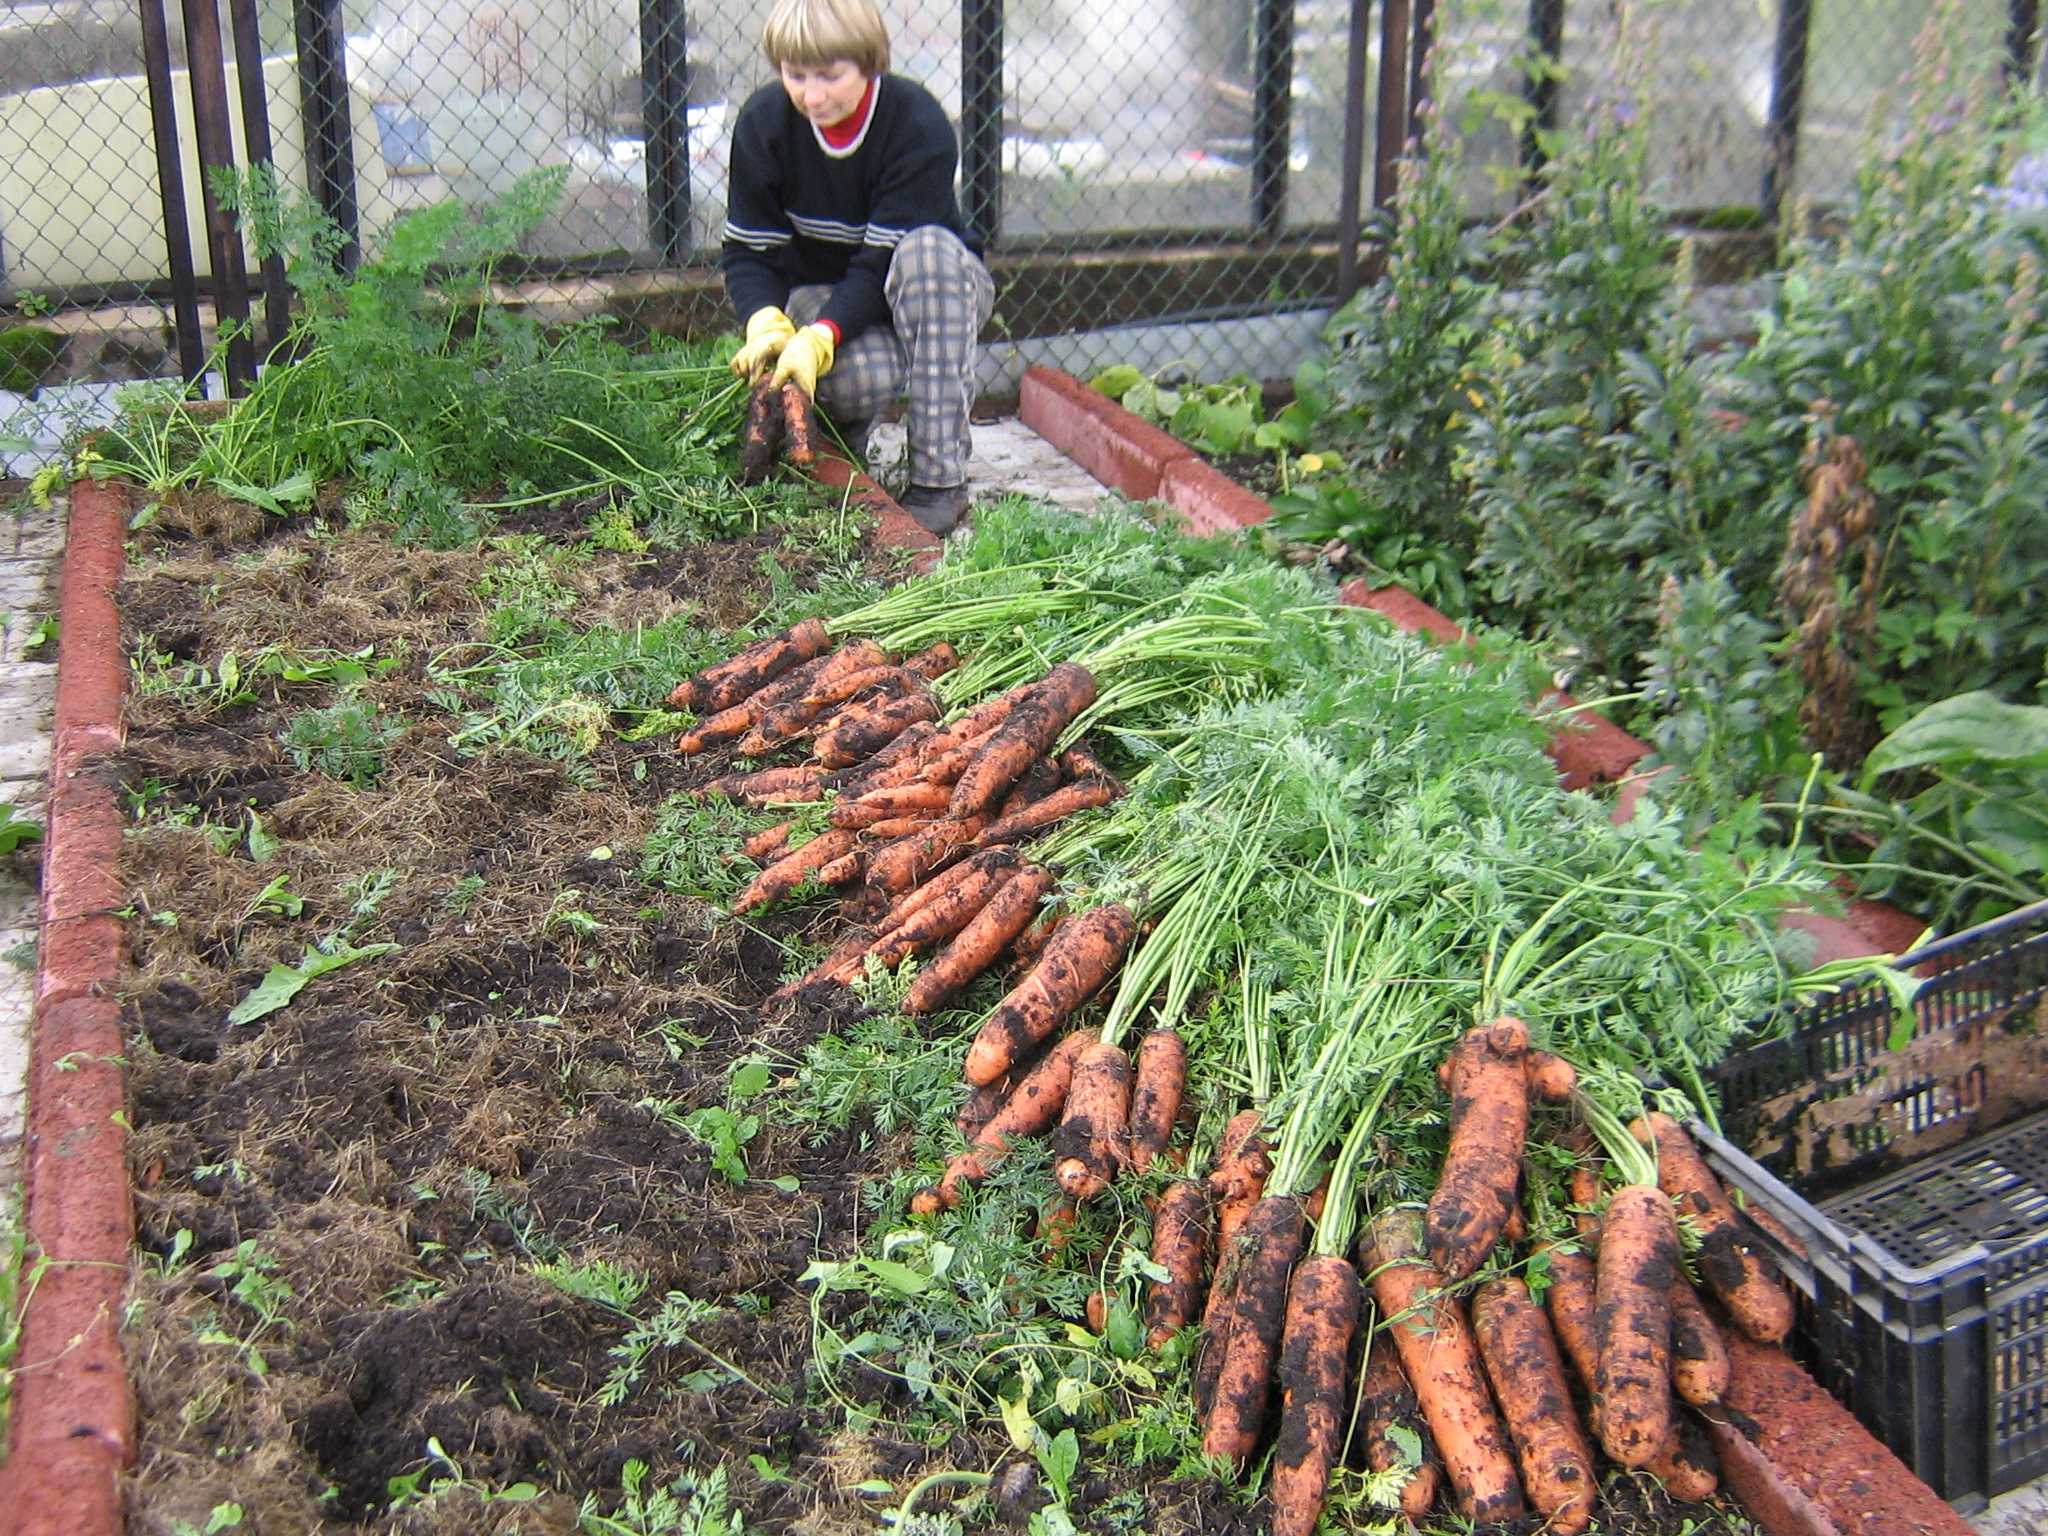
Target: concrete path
x=29 y=548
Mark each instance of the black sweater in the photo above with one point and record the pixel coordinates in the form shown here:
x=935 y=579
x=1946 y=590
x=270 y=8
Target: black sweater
x=800 y=213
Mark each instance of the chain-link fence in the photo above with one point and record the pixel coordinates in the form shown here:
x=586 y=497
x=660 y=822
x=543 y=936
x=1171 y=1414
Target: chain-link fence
x=1192 y=174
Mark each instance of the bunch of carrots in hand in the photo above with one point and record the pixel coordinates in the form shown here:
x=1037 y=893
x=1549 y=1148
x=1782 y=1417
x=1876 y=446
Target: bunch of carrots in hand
x=782 y=422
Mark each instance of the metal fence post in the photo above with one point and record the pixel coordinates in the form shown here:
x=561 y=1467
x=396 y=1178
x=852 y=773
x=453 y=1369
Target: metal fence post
x=1788 y=93
x=664 y=126
x=1388 y=127
x=1546 y=41
x=981 y=118
x=323 y=108
x=252 y=88
x=207 y=68
x=170 y=181
x=1272 y=104
x=1358 y=41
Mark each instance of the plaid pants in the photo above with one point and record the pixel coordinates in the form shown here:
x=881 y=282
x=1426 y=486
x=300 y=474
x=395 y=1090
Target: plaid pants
x=940 y=296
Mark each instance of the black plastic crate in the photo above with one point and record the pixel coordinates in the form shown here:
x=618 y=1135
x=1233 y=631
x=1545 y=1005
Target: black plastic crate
x=1911 y=1206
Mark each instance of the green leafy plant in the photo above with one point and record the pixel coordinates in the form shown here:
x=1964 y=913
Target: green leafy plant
x=691 y=1505
x=282 y=983
x=345 y=740
x=16 y=828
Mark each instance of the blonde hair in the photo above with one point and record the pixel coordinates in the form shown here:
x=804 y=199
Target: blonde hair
x=812 y=33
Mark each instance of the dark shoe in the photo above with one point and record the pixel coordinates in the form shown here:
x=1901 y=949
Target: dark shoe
x=936 y=508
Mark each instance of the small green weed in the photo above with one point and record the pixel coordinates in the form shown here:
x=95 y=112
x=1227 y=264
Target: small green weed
x=346 y=740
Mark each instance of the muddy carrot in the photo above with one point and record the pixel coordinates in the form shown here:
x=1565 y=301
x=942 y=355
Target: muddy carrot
x=1030 y=731
x=897 y=866
x=1322 y=1315
x=980 y=1107
x=1571 y=1300
x=1442 y=1363
x=1030 y=1111
x=1521 y=1358
x=1700 y=1365
x=841 y=965
x=942 y=918
x=801 y=427
x=1551 y=1077
x=1056 y=1225
x=1155 y=1099
x=845 y=869
x=932 y=889
x=1489 y=1123
x=976 y=724
x=897 y=763
x=725 y=683
x=1386 y=1403
x=858 y=736
x=1180 y=1246
x=767 y=842
x=898 y=827
x=1097 y=1311
x=888 y=802
x=1095 y=1128
x=1081 y=956
x=933 y=661
x=1069 y=799
x=1038 y=781
x=1080 y=762
x=1585 y=1195
x=1238 y=1179
x=1633 y=1271
x=1757 y=1302
x=771 y=785
x=791 y=870
x=1005 y=914
x=1687 y=1467
x=1030 y=944
x=1269 y=1245
x=762 y=435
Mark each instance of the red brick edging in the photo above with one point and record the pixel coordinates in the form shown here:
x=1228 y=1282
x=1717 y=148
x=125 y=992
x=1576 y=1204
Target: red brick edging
x=72 y=1425
x=1799 y=1461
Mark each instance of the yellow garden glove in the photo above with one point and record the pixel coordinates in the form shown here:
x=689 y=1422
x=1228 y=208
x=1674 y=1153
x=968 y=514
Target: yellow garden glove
x=807 y=355
x=768 y=332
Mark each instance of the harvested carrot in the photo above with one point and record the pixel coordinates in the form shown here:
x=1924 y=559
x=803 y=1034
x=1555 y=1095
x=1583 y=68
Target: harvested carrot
x=1315 y=1348
x=762 y=435
x=1155 y=1100
x=1030 y=1111
x=942 y=918
x=1521 y=1359
x=1585 y=1195
x=898 y=827
x=800 y=433
x=767 y=786
x=1088 y=1148
x=1096 y=1311
x=1081 y=956
x=933 y=661
x=1687 y=1467
x=1268 y=1246
x=1489 y=1123
x=857 y=736
x=1006 y=913
x=897 y=866
x=980 y=1107
x=1030 y=944
x=1442 y=1362
x=983 y=718
x=1571 y=1300
x=841 y=965
x=851 y=685
x=1038 y=781
x=1386 y=1403
x=767 y=842
x=1633 y=1271
x=792 y=869
x=1180 y=1244
x=1551 y=1077
x=1030 y=731
x=1080 y=762
x=897 y=763
x=725 y=683
x=845 y=869
x=1016 y=826
x=890 y=801
x=1757 y=1302
x=939 y=884
x=1238 y=1179
x=1056 y=1226
x=1700 y=1365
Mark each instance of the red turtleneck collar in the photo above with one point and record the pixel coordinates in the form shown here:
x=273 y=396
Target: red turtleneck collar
x=843 y=133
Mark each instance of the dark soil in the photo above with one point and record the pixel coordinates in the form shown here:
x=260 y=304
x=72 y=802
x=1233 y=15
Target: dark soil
x=355 y=1212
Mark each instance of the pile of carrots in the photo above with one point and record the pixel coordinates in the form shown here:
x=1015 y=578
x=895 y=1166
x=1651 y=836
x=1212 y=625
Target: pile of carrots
x=1477 y=1344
